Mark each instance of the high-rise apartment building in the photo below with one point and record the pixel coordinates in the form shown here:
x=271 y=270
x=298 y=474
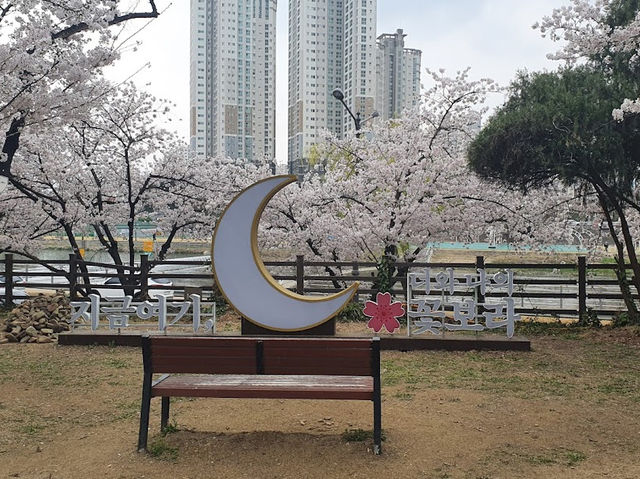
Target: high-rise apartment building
x=233 y=78
x=397 y=75
x=331 y=46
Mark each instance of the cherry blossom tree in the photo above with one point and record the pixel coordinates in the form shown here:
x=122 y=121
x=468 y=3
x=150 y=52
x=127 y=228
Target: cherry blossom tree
x=110 y=167
x=52 y=54
x=384 y=195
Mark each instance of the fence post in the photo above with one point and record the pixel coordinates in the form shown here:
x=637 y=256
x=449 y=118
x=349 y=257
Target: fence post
x=8 y=278
x=73 y=277
x=479 y=295
x=144 y=276
x=355 y=271
x=582 y=286
x=300 y=274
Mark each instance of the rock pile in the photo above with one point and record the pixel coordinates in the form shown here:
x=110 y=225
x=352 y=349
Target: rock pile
x=37 y=320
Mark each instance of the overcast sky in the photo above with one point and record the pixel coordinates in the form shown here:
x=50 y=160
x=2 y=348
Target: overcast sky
x=493 y=37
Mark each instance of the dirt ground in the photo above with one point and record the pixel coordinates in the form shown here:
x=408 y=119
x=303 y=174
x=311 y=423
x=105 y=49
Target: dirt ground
x=567 y=409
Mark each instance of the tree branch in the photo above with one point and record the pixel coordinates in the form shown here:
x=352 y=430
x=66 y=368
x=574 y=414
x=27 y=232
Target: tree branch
x=82 y=26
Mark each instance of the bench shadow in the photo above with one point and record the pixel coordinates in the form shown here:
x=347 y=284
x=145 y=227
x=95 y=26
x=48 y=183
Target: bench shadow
x=260 y=443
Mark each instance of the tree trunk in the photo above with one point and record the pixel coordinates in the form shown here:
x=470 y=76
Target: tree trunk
x=621 y=273
x=11 y=144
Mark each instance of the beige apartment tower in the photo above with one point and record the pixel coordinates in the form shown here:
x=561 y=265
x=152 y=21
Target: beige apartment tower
x=233 y=78
x=397 y=75
x=332 y=45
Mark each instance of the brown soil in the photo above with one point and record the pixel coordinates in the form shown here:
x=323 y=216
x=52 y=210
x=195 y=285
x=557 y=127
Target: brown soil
x=568 y=409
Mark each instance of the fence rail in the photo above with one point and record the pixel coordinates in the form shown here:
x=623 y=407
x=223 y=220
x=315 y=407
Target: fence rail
x=567 y=289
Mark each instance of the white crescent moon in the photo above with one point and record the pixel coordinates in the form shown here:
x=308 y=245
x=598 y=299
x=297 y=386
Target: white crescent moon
x=243 y=278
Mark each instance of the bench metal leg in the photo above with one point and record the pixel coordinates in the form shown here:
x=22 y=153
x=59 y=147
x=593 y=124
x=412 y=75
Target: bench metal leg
x=377 y=425
x=164 y=418
x=377 y=396
x=145 y=407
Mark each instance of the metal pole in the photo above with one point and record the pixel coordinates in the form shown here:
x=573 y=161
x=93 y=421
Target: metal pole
x=582 y=286
x=73 y=277
x=8 y=278
x=144 y=276
x=300 y=274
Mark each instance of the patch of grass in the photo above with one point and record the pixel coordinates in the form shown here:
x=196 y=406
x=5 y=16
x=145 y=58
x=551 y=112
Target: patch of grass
x=567 y=457
x=46 y=372
x=555 y=329
x=163 y=451
x=359 y=435
x=5 y=367
x=540 y=459
x=574 y=457
x=555 y=386
x=116 y=363
x=170 y=428
x=400 y=371
x=31 y=429
x=525 y=375
x=618 y=386
x=127 y=410
x=403 y=396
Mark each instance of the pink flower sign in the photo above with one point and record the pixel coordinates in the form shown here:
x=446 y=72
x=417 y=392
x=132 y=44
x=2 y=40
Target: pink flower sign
x=383 y=313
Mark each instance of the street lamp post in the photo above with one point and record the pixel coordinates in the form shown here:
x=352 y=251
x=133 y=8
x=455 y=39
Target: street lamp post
x=338 y=95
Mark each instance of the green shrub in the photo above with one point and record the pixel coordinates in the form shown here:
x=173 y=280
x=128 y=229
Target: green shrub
x=620 y=320
x=170 y=428
x=161 y=450
x=589 y=319
x=352 y=313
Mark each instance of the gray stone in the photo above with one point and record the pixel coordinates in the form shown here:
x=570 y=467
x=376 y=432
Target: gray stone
x=31 y=331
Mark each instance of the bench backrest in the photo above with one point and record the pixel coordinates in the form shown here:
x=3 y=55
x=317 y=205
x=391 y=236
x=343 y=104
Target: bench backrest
x=252 y=355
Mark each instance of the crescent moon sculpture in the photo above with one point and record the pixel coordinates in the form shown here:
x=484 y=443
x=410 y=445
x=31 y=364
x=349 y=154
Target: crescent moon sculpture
x=242 y=277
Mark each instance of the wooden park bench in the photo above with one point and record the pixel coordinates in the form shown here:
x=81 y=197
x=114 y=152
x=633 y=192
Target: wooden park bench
x=252 y=367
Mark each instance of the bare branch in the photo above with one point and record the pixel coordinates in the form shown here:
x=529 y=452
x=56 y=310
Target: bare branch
x=5 y=10
x=82 y=26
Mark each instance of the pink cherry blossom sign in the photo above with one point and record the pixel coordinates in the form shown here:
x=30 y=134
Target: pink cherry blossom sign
x=383 y=313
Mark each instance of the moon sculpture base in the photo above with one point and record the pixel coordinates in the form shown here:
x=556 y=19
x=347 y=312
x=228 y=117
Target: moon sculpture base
x=328 y=328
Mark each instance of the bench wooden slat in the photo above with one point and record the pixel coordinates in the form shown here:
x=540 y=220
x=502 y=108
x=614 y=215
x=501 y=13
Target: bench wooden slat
x=198 y=366
x=353 y=353
x=336 y=368
x=201 y=350
x=318 y=343
x=196 y=341
x=267 y=386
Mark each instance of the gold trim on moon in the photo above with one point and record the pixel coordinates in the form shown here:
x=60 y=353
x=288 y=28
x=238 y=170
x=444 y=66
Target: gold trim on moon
x=316 y=310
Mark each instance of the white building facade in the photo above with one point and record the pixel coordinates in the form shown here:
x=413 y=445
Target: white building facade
x=332 y=45
x=397 y=75
x=233 y=78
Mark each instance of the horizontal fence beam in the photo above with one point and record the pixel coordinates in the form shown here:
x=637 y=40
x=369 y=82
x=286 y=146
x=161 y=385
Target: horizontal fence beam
x=575 y=287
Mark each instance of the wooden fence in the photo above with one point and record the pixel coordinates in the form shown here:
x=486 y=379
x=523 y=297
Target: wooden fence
x=559 y=289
